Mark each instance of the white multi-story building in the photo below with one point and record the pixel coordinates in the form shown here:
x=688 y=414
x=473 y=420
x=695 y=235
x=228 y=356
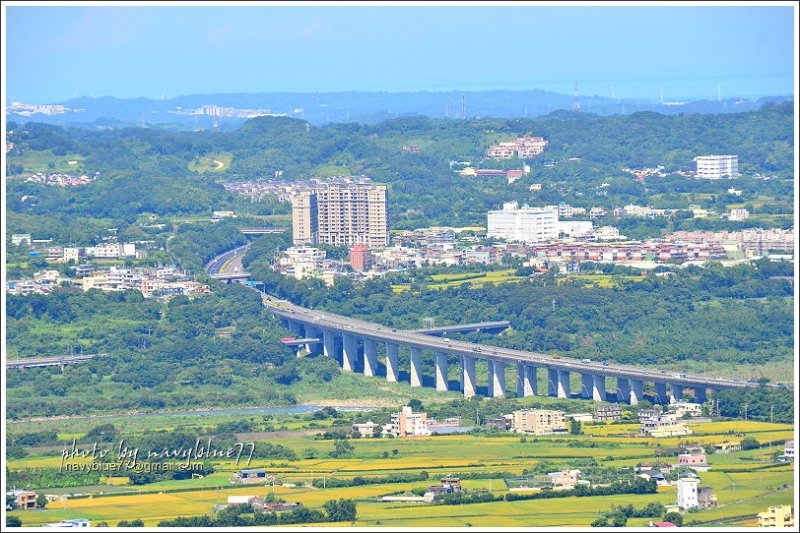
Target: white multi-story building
x=341 y=212
x=111 y=251
x=523 y=224
x=407 y=423
x=301 y=261
x=21 y=238
x=738 y=215
x=717 y=166
x=687 y=491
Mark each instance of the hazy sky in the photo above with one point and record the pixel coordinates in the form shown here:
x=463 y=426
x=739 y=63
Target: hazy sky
x=53 y=52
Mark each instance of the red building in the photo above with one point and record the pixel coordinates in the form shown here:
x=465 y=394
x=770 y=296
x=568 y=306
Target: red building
x=360 y=257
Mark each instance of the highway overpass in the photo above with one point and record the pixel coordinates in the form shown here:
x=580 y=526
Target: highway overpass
x=61 y=361
x=353 y=343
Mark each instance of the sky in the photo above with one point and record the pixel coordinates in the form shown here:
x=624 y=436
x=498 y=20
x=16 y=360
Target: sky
x=669 y=51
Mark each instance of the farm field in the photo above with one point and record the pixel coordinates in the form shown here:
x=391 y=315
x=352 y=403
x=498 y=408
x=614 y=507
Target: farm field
x=744 y=482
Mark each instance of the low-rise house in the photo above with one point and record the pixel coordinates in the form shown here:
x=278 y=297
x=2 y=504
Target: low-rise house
x=788 y=450
x=663 y=425
x=611 y=411
x=727 y=447
x=366 y=429
x=565 y=479
x=73 y=522
x=777 y=516
x=656 y=475
x=695 y=460
x=706 y=497
x=26 y=499
x=502 y=423
x=682 y=409
x=250 y=476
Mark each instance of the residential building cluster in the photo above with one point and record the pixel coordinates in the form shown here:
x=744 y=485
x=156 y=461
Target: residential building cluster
x=755 y=241
x=231 y=112
x=258 y=190
x=152 y=282
x=26 y=110
x=258 y=504
x=62 y=180
x=522 y=148
x=308 y=261
x=405 y=423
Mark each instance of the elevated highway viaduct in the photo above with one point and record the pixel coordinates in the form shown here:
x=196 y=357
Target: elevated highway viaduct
x=353 y=343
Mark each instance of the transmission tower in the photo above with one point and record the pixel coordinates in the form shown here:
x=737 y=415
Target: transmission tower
x=576 y=104
x=463 y=107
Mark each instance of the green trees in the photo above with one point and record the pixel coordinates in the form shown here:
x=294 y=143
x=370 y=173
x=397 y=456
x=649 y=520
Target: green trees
x=341 y=510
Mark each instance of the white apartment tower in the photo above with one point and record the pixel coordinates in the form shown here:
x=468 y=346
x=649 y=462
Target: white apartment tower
x=717 y=166
x=342 y=211
x=523 y=224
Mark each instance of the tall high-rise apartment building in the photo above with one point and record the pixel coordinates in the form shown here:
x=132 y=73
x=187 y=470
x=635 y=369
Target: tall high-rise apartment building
x=523 y=224
x=717 y=166
x=341 y=211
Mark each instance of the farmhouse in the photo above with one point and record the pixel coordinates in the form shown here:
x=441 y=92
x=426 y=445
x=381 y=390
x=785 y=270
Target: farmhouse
x=250 y=476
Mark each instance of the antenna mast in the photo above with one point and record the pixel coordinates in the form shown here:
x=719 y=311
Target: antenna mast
x=463 y=107
x=576 y=105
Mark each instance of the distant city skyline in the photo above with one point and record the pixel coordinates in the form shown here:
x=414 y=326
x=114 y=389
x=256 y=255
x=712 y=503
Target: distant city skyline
x=649 y=51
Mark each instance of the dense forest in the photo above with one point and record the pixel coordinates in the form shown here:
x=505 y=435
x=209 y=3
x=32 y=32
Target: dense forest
x=142 y=172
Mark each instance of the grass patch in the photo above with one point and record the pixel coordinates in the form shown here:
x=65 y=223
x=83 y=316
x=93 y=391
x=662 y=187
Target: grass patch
x=211 y=163
x=45 y=161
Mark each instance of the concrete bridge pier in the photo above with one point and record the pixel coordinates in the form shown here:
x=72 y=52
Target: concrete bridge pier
x=599 y=388
x=676 y=391
x=661 y=392
x=392 y=362
x=440 y=370
x=531 y=380
x=370 y=357
x=526 y=380
x=314 y=333
x=349 y=352
x=490 y=379
x=623 y=390
x=587 y=385
x=416 y=367
x=328 y=343
x=468 y=375
x=295 y=327
x=700 y=395
x=563 y=384
x=552 y=382
x=499 y=378
x=637 y=394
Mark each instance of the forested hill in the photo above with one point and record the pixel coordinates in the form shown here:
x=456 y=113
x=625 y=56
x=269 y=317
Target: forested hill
x=148 y=172
x=366 y=107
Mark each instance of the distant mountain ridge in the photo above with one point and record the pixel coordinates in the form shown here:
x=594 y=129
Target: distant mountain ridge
x=221 y=111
